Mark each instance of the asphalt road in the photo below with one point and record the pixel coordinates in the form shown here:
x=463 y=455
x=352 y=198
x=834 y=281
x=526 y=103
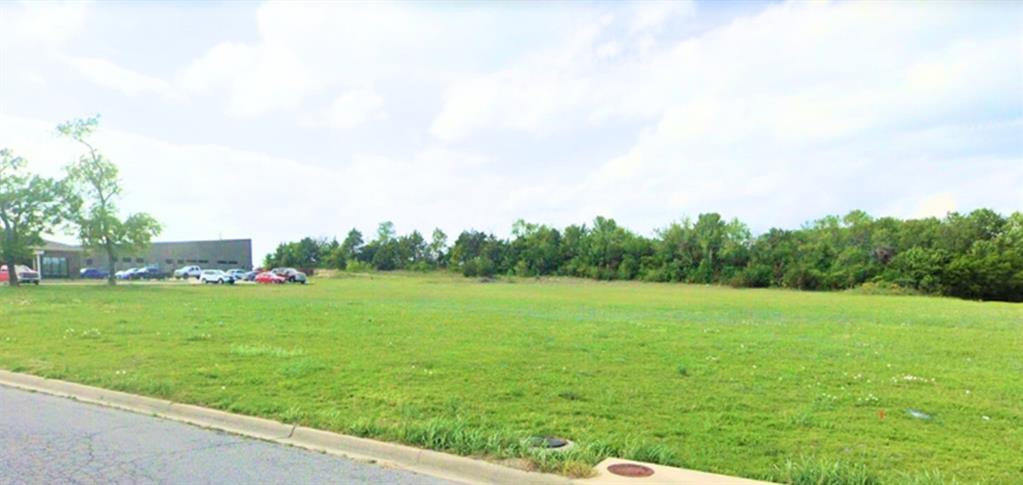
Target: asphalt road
x=47 y=439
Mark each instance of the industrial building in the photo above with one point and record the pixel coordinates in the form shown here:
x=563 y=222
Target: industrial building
x=57 y=260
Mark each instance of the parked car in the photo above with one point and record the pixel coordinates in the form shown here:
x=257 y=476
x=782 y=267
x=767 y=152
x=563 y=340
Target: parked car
x=187 y=272
x=147 y=273
x=292 y=275
x=237 y=274
x=125 y=274
x=215 y=276
x=25 y=274
x=251 y=275
x=92 y=274
x=267 y=277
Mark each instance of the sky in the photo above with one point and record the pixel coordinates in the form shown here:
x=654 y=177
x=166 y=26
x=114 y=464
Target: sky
x=275 y=121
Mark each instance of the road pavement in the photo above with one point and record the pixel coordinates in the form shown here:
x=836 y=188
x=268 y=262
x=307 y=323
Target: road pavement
x=53 y=440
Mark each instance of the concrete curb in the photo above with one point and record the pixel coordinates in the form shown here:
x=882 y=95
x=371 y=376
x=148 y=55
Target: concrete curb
x=427 y=462
x=663 y=475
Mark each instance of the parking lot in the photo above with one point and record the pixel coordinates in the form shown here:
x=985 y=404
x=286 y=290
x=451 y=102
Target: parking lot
x=192 y=275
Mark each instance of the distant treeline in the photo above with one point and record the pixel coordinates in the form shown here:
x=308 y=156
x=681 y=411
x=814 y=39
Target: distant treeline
x=978 y=255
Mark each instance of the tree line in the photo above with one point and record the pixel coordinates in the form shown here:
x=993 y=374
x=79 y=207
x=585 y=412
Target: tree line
x=83 y=202
x=976 y=256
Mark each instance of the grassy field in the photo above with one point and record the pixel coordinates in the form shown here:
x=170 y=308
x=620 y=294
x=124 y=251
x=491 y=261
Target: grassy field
x=758 y=383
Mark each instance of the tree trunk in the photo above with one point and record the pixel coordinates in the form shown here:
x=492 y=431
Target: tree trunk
x=111 y=279
x=12 y=271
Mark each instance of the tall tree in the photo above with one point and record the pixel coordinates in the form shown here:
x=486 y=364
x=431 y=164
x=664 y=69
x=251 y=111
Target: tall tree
x=438 y=246
x=29 y=206
x=96 y=181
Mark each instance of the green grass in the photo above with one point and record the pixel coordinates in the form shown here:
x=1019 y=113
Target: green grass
x=759 y=383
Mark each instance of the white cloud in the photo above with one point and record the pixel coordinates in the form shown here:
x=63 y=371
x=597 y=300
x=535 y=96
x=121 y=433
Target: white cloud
x=799 y=102
x=206 y=191
x=305 y=48
x=937 y=205
x=218 y=67
x=113 y=76
x=636 y=111
x=355 y=108
x=257 y=80
x=41 y=24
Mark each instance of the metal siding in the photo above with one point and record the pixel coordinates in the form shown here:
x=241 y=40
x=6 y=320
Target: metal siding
x=239 y=250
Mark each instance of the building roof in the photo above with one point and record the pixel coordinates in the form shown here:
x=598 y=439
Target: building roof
x=57 y=246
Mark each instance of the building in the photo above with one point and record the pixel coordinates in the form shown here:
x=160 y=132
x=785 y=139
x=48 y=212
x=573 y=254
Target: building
x=58 y=260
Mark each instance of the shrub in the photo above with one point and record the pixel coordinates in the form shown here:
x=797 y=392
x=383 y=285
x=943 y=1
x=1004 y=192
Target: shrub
x=883 y=288
x=356 y=266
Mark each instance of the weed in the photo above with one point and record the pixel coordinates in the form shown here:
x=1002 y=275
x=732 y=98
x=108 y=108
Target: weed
x=265 y=351
x=823 y=471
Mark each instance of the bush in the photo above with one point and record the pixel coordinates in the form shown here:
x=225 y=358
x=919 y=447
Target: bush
x=421 y=266
x=883 y=288
x=356 y=266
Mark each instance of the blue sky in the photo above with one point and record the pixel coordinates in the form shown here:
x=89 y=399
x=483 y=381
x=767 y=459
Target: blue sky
x=280 y=120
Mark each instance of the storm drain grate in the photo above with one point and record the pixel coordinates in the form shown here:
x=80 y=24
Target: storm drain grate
x=630 y=470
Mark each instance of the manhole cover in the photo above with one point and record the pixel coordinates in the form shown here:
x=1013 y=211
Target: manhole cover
x=630 y=470
x=547 y=442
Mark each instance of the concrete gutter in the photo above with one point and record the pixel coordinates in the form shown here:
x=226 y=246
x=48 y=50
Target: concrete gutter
x=428 y=462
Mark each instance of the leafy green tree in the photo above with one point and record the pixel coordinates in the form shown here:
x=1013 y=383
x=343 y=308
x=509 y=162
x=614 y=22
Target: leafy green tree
x=349 y=249
x=536 y=249
x=95 y=180
x=386 y=232
x=978 y=255
x=438 y=248
x=29 y=206
x=479 y=254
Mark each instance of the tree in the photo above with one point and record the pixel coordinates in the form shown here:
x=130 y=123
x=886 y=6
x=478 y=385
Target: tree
x=438 y=247
x=536 y=248
x=385 y=231
x=29 y=206
x=412 y=251
x=95 y=180
x=348 y=250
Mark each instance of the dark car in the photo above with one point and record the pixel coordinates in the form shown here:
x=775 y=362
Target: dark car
x=92 y=274
x=251 y=275
x=148 y=273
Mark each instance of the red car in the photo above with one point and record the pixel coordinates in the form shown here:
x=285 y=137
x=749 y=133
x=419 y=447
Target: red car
x=25 y=274
x=269 y=278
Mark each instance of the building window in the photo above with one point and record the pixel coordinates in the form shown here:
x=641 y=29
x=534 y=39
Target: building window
x=203 y=261
x=169 y=261
x=88 y=262
x=181 y=261
x=53 y=267
x=140 y=260
x=125 y=260
x=232 y=262
x=221 y=262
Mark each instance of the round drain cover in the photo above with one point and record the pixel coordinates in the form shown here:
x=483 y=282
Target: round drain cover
x=547 y=442
x=630 y=470
x=554 y=442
